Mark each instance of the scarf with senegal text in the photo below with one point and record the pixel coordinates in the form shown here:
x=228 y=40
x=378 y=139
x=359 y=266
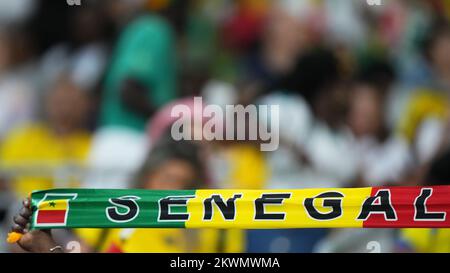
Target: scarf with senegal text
x=376 y=207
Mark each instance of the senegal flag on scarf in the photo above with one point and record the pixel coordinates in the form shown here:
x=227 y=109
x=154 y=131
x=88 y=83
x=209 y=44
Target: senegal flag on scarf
x=390 y=207
x=53 y=209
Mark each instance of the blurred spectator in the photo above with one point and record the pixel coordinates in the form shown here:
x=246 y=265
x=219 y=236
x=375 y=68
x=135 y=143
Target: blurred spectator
x=141 y=78
x=367 y=120
x=17 y=80
x=84 y=54
x=427 y=113
x=40 y=155
x=282 y=40
x=312 y=144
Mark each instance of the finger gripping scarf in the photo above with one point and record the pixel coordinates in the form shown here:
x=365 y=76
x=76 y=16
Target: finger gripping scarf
x=394 y=207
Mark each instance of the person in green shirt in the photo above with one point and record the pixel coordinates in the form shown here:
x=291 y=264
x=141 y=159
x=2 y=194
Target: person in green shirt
x=142 y=75
x=141 y=78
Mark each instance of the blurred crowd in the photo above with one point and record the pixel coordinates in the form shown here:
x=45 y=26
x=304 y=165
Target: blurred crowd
x=364 y=95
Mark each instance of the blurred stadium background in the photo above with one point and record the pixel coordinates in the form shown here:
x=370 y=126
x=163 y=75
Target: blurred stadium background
x=364 y=93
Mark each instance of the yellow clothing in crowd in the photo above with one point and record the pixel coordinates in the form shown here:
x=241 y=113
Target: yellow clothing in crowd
x=447 y=8
x=37 y=154
x=422 y=105
x=427 y=240
x=162 y=240
x=248 y=167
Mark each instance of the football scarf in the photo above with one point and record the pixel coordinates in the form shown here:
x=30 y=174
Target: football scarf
x=377 y=207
